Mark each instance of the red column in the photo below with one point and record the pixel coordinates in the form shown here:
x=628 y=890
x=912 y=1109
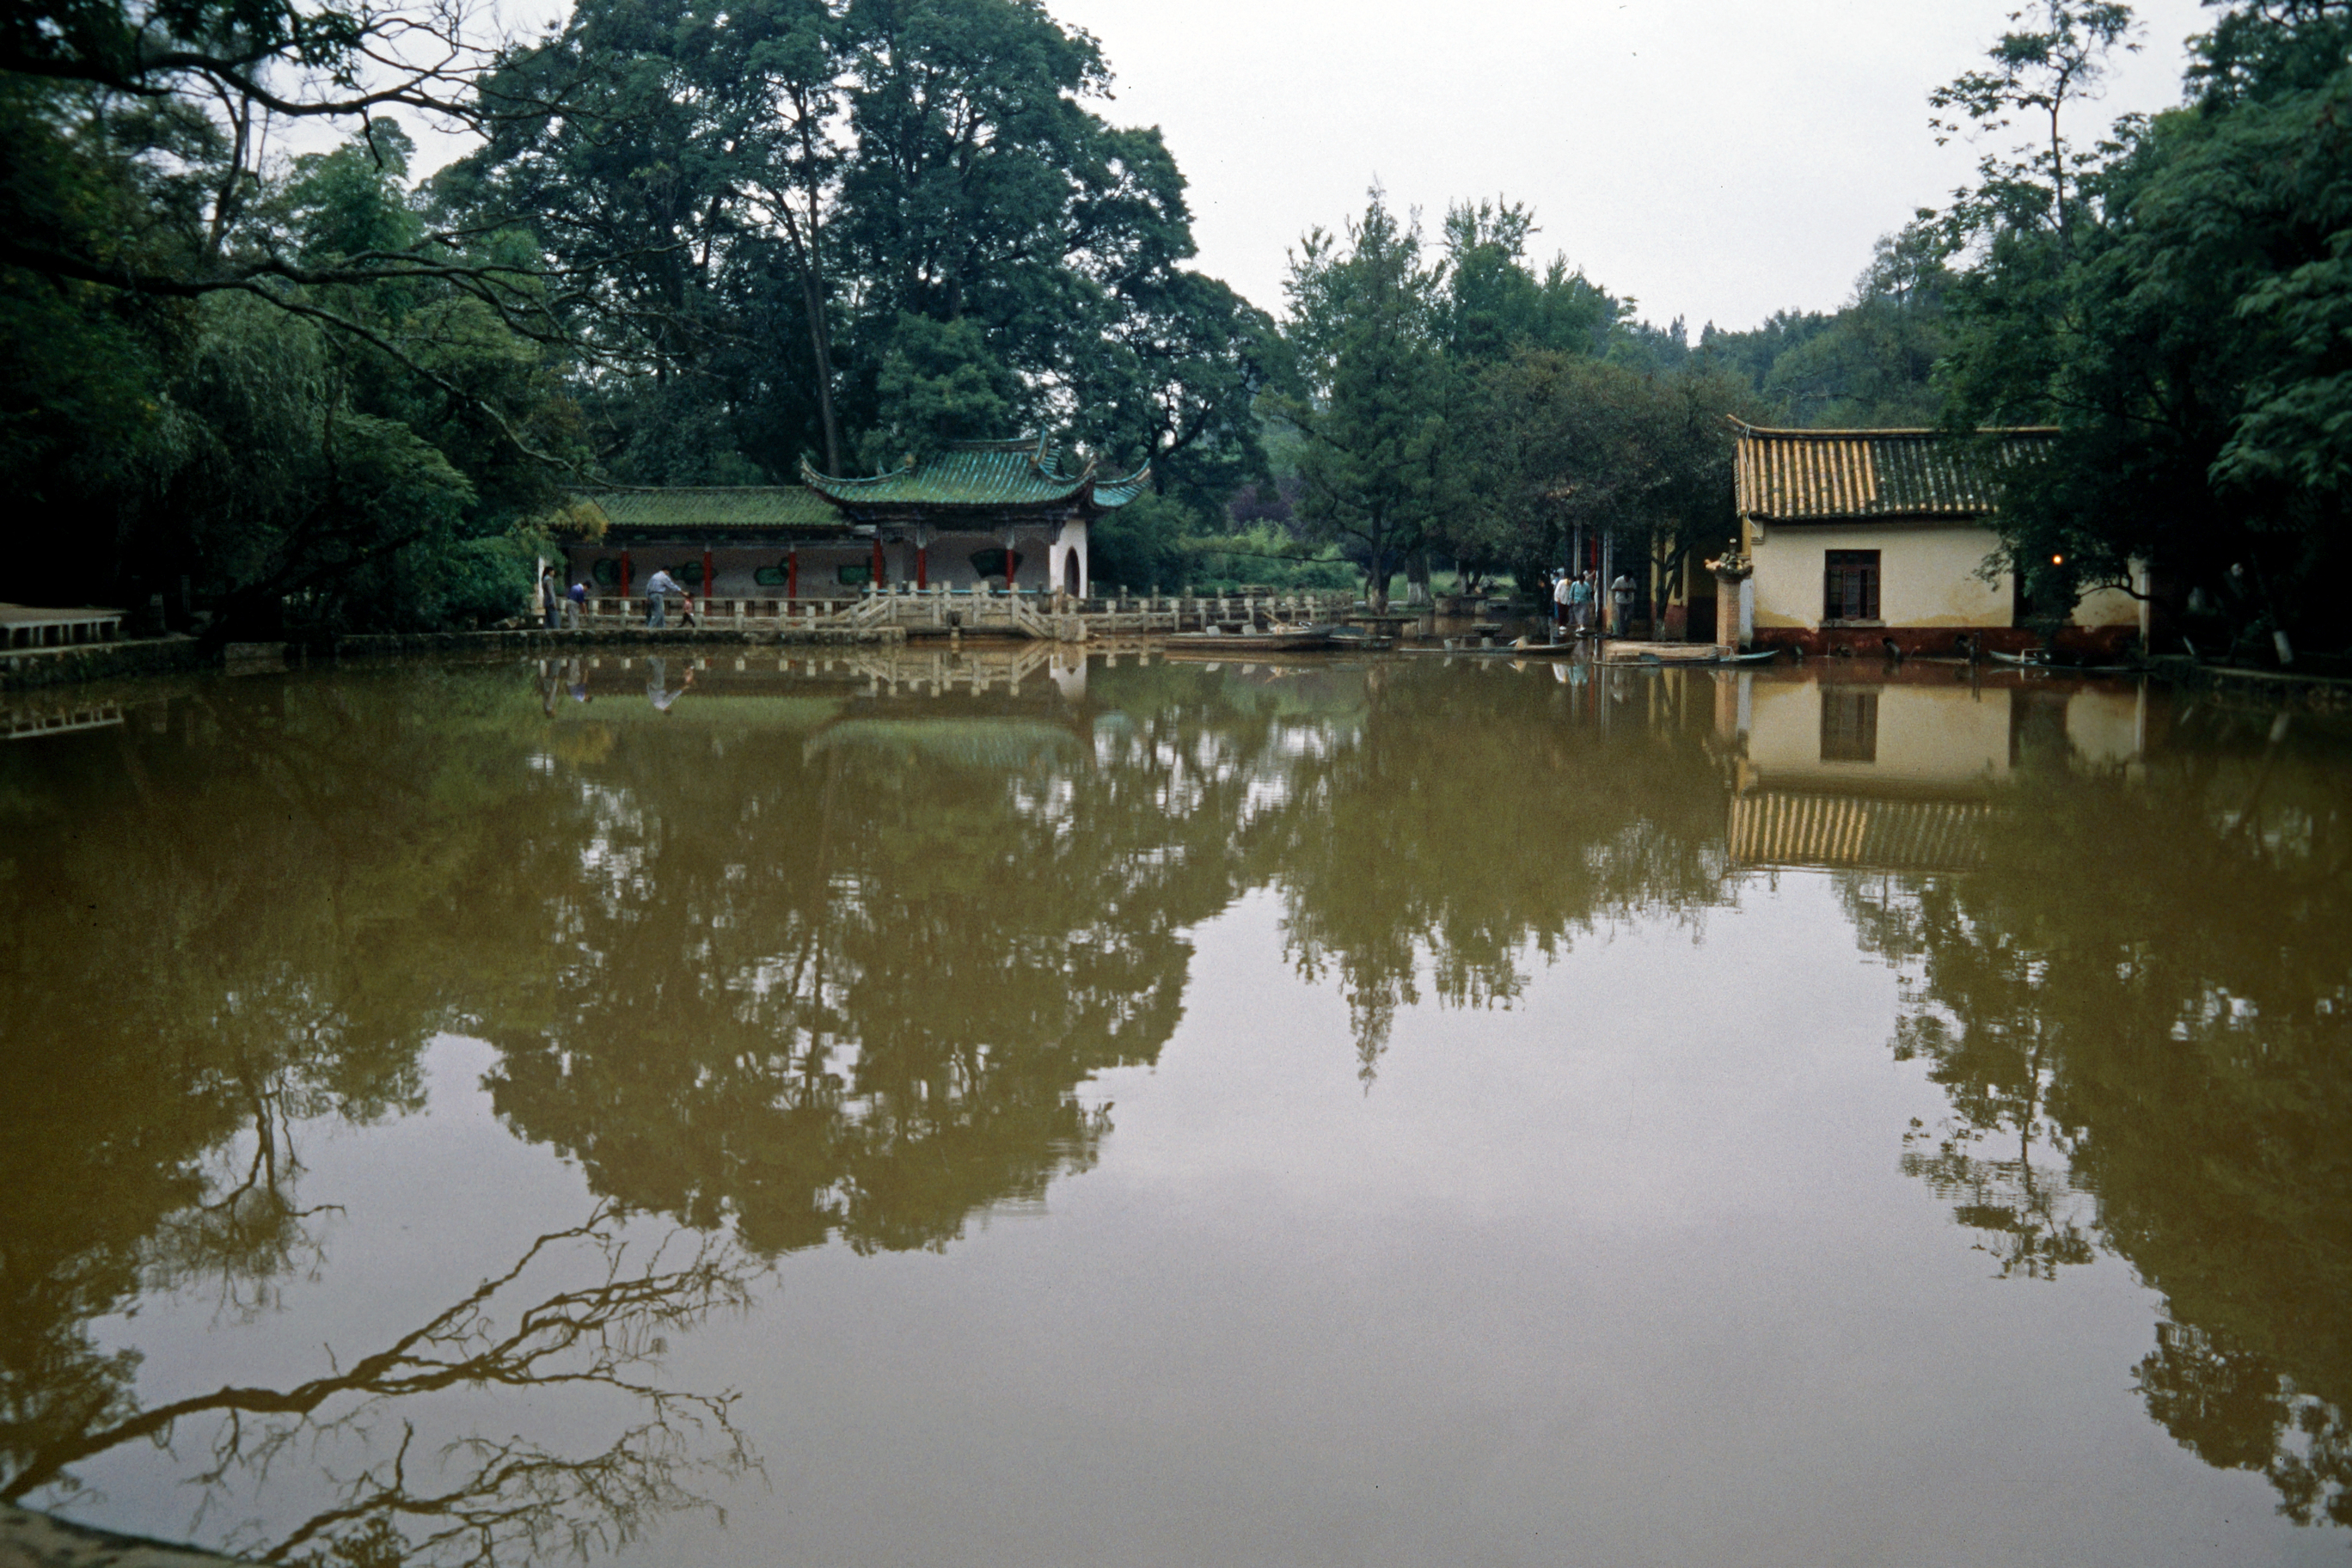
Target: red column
x=625 y=573
x=1008 y=568
x=922 y=567
x=877 y=558
x=709 y=583
x=792 y=574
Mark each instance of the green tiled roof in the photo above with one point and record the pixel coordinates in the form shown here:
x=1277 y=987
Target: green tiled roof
x=1827 y=476
x=732 y=507
x=993 y=476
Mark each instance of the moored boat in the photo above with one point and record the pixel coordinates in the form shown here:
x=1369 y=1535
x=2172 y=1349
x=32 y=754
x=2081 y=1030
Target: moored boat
x=1234 y=644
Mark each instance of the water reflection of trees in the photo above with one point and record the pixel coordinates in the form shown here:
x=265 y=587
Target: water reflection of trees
x=871 y=989
x=247 y=914
x=1471 y=826
x=2145 y=998
x=761 y=974
x=833 y=965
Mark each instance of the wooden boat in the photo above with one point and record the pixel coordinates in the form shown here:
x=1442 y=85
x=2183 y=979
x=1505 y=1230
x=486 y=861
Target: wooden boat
x=2039 y=658
x=1234 y=645
x=1761 y=656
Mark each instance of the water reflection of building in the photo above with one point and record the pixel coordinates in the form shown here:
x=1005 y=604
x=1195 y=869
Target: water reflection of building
x=1038 y=671
x=1896 y=769
x=58 y=718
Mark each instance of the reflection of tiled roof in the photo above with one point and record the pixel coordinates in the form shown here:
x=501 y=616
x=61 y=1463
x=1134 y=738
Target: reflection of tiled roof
x=982 y=475
x=1768 y=828
x=720 y=507
x=1823 y=476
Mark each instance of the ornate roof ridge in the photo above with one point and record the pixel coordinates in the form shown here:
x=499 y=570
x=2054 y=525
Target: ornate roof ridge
x=1022 y=471
x=686 y=489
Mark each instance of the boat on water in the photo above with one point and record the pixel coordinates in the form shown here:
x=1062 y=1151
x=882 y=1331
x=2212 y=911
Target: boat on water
x=1236 y=644
x=2039 y=658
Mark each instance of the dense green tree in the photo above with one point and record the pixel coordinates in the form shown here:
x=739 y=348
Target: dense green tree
x=2172 y=301
x=1371 y=391
x=266 y=381
x=850 y=230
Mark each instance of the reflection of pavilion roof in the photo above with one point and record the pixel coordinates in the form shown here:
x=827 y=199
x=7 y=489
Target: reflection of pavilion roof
x=1770 y=828
x=1823 y=476
x=980 y=476
x=998 y=745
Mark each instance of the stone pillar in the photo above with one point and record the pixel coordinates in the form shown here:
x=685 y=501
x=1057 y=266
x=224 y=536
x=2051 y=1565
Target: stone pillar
x=1729 y=573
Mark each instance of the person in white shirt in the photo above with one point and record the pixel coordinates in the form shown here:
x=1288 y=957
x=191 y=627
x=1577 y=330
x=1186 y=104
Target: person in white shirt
x=659 y=589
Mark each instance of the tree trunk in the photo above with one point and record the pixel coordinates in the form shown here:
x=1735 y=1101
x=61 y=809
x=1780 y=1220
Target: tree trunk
x=1416 y=579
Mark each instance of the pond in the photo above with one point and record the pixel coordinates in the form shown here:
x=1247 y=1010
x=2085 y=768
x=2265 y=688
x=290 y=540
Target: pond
x=1015 y=1108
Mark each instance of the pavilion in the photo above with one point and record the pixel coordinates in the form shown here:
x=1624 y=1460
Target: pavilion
x=1004 y=514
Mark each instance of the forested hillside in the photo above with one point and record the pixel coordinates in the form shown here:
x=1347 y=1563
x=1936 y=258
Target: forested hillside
x=249 y=362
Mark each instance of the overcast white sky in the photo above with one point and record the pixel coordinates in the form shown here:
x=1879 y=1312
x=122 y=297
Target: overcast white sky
x=1716 y=159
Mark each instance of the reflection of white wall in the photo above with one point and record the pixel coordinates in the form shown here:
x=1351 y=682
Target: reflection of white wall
x=1927 y=734
x=1933 y=734
x=2105 y=726
x=1927 y=573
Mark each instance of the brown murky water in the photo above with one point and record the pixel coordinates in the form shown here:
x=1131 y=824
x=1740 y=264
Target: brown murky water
x=989 y=1110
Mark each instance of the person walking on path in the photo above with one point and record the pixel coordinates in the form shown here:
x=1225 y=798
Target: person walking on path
x=1622 y=593
x=551 y=597
x=659 y=589
x=576 y=605
x=1580 y=601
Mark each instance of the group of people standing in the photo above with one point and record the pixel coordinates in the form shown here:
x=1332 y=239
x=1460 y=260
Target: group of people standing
x=563 y=609
x=1575 y=595
x=560 y=609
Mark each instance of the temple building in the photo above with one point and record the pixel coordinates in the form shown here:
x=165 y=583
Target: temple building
x=1002 y=514
x=1857 y=537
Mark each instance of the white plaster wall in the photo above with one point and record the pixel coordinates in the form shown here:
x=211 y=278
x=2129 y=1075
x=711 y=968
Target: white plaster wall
x=1927 y=573
x=952 y=556
x=2108 y=607
x=1074 y=539
x=734 y=568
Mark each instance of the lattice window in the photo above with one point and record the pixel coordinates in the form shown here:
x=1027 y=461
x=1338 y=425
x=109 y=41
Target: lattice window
x=1850 y=586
